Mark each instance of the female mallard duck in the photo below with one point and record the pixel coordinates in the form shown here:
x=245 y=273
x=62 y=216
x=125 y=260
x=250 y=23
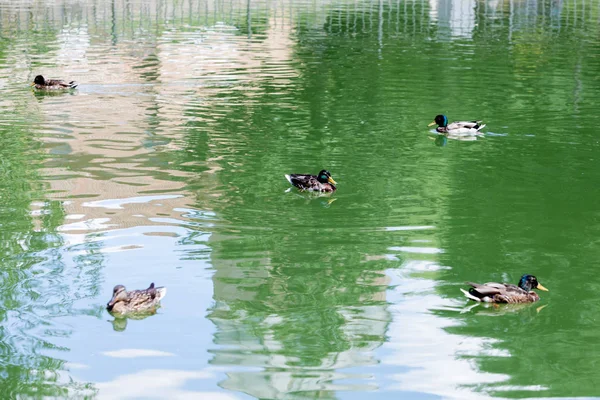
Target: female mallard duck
x=505 y=292
x=458 y=127
x=319 y=183
x=52 y=84
x=124 y=302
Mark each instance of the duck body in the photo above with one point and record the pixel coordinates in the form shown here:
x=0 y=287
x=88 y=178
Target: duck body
x=493 y=292
x=134 y=301
x=52 y=84
x=323 y=182
x=457 y=127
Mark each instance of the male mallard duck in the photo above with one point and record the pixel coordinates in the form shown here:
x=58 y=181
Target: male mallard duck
x=319 y=183
x=52 y=84
x=458 y=127
x=505 y=292
x=123 y=302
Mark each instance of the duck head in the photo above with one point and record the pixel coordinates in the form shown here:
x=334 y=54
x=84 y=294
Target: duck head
x=440 y=120
x=119 y=294
x=325 y=177
x=529 y=282
x=39 y=80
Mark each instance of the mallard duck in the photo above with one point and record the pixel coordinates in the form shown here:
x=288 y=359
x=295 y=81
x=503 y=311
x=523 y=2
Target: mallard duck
x=323 y=182
x=458 y=127
x=505 y=292
x=124 y=302
x=52 y=84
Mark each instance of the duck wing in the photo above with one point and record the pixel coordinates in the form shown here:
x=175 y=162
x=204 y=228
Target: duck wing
x=138 y=299
x=304 y=182
x=502 y=293
x=465 y=124
x=514 y=291
x=487 y=289
x=60 y=83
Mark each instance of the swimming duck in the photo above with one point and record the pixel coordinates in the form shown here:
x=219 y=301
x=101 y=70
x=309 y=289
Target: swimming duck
x=323 y=182
x=458 y=127
x=124 y=302
x=52 y=84
x=505 y=292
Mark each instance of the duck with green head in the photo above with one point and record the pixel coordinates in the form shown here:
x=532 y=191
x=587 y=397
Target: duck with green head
x=458 y=127
x=52 y=84
x=323 y=182
x=135 y=301
x=493 y=292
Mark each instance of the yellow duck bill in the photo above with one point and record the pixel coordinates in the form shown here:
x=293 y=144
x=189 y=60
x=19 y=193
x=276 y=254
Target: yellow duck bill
x=539 y=286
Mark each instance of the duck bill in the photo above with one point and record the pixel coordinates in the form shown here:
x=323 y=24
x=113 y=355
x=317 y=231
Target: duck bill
x=111 y=304
x=431 y=124
x=32 y=84
x=542 y=288
x=330 y=180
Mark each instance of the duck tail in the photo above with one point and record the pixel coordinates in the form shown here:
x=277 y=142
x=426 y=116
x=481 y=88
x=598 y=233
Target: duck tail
x=470 y=296
x=161 y=292
x=73 y=84
x=289 y=178
x=480 y=126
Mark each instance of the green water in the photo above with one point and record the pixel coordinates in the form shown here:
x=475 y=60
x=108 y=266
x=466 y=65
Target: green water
x=167 y=165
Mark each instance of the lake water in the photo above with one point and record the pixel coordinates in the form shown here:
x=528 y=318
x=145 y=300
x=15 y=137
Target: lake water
x=167 y=165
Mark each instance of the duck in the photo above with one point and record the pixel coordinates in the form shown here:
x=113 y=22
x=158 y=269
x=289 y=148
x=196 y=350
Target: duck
x=458 y=127
x=52 y=84
x=323 y=182
x=124 y=302
x=493 y=292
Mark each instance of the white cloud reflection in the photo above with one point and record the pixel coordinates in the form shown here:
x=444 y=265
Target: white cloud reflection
x=116 y=204
x=135 y=353
x=418 y=339
x=158 y=384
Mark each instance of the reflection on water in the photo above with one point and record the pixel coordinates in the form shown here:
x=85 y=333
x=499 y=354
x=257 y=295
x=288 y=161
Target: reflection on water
x=419 y=340
x=119 y=322
x=494 y=310
x=157 y=383
x=167 y=162
x=301 y=333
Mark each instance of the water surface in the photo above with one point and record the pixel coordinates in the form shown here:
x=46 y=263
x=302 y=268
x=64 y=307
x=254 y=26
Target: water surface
x=166 y=165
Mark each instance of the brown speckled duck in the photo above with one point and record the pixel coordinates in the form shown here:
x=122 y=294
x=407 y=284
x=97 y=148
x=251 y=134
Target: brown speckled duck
x=124 y=302
x=323 y=182
x=493 y=292
x=52 y=84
